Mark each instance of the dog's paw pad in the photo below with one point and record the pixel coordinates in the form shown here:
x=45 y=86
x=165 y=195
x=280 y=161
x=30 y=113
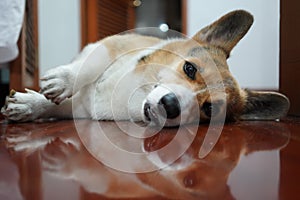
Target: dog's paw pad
x=57 y=84
x=17 y=112
x=23 y=107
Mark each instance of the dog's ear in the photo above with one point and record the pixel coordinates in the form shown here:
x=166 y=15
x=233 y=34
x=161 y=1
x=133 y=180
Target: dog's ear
x=264 y=106
x=226 y=32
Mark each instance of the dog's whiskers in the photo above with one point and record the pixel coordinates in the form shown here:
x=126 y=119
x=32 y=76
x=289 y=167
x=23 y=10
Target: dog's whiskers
x=201 y=91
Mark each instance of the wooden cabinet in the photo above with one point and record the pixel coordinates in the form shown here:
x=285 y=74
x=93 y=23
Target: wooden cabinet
x=24 y=71
x=290 y=53
x=102 y=18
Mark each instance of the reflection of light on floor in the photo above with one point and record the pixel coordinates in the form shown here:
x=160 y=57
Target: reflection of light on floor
x=256 y=176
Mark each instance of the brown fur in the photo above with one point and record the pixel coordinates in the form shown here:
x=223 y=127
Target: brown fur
x=208 y=48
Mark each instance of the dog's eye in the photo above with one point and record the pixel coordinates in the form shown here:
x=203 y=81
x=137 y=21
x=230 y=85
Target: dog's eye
x=190 y=70
x=210 y=109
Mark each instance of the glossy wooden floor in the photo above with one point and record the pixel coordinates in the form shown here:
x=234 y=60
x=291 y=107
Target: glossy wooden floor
x=252 y=160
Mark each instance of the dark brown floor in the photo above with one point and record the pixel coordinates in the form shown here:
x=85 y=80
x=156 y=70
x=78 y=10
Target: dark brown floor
x=252 y=160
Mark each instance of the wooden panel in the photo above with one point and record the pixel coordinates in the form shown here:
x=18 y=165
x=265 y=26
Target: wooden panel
x=290 y=53
x=88 y=21
x=24 y=71
x=102 y=18
x=184 y=16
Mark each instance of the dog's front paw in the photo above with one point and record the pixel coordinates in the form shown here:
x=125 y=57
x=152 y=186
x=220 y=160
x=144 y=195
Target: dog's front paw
x=22 y=107
x=57 y=84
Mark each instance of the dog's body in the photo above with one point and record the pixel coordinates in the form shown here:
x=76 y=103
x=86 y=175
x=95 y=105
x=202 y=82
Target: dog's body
x=142 y=78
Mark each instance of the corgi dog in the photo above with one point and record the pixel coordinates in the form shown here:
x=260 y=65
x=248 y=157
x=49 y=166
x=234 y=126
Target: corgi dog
x=155 y=81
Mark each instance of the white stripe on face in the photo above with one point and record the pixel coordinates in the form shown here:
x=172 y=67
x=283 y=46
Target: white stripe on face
x=187 y=101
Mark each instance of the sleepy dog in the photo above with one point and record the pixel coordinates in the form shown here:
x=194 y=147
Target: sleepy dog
x=159 y=82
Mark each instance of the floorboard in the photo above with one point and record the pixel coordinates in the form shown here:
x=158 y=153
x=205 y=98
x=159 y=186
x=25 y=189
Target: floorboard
x=86 y=159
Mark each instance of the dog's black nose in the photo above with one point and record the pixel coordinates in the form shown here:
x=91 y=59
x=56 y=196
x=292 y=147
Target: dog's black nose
x=171 y=105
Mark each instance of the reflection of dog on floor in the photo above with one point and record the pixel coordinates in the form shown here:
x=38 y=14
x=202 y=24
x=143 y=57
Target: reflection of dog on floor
x=142 y=78
x=189 y=177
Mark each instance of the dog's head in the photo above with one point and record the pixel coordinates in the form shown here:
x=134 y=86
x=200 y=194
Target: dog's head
x=193 y=81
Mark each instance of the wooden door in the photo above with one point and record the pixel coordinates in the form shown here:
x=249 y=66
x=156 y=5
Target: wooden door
x=24 y=71
x=102 y=18
x=290 y=53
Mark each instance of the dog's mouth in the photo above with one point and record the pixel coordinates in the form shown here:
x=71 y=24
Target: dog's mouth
x=154 y=115
x=147 y=112
x=167 y=108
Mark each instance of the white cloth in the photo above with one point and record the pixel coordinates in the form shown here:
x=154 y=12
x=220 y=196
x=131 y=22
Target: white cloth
x=11 y=19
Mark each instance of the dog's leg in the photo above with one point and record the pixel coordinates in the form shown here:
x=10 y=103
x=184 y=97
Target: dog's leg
x=64 y=81
x=22 y=107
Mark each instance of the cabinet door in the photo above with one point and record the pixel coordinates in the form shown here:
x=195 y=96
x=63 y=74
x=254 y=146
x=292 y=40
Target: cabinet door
x=101 y=18
x=290 y=53
x=24 y=71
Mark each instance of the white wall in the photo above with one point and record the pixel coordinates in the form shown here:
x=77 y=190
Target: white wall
x=59 y=32
x=255 y=60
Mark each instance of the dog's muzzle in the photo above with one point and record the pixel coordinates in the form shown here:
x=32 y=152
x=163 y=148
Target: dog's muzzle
x=168 y=107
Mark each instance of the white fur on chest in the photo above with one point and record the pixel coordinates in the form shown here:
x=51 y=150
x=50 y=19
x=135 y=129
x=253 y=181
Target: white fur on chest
x=116 y=94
